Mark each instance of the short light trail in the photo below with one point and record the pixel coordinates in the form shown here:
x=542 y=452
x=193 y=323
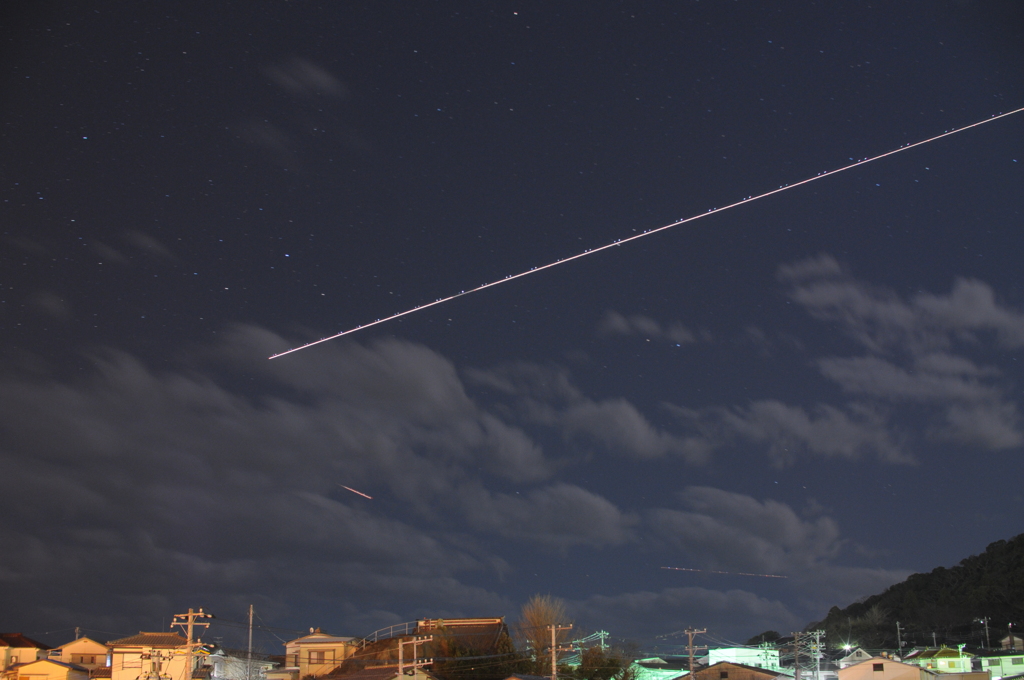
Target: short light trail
x=351 y=489
x=649 y=232
x=730 y=573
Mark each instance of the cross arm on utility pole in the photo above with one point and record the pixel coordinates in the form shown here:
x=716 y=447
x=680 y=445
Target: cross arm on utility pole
x=188 y=623
x=415 y=663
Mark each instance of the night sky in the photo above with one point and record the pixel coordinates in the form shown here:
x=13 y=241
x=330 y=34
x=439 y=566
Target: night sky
x=824 y=385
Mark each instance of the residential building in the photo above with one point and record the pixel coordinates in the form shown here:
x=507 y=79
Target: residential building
x=726 y=670
x=1001 y=664
x=941 y=660
x=316 y=654
x=237 y=665
x=856 y=656
x=391 y=673
x=46 y=669
x=153 y=656
x=657 y=668
x=765 y=656
x=881 y=668
x=16 y=648
x=83 y=652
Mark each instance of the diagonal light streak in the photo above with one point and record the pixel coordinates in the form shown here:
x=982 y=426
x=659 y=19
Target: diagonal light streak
x=649 y=232
x=730 y=573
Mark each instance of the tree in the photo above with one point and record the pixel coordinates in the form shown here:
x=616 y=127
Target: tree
x=767 y=636
x=597 y=663
x=534 y=628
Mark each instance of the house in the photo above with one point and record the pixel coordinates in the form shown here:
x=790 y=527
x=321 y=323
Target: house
x=1013 y=643
x=391 y=673
x=16 y=648
x=83 y=652
x=237 y=665
x=881 y=668
x=152 y=656
x=727 y=670
x=656 y=668
x=46 y=669
x=315 y=654
x=760 y=657
x=856 y=656
x=942 y=660
x=1001 y=665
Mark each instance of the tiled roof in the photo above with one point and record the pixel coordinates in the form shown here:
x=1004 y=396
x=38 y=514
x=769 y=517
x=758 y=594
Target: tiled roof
x=62 y=664
x=81 y=639
x=380 y=673
x=103 y=672
x=19 y=640
x=150 y=640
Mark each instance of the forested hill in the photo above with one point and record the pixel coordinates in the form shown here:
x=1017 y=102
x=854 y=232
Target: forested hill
x=947 y=602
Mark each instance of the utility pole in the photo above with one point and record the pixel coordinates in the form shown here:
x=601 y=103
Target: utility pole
x=78 y=632
x=416 y=662
x=554 y=627
x=188 y=622
x=899 y=640
x=988 y=643
x=690 y=649
x=248 y=657
x=816 y=652
x=796 y=656
x=934 y=643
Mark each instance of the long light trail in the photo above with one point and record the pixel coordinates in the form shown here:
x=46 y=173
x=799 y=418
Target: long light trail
x=649 y=232
x=730 y=573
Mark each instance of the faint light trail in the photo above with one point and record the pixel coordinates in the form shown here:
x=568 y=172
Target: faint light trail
x=351 y=489
x=730 y=573
x=619 y=242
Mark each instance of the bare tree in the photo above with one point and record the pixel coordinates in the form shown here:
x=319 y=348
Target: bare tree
x=534 y=627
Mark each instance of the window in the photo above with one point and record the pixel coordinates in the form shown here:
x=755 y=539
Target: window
x=993 y=662
x=878 y=667
x=952 y=664
x=723 y=675
x=316 y=657
x=1017 y=661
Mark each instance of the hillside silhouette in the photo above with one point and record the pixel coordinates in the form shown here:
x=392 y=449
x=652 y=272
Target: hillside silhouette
x=949 y=603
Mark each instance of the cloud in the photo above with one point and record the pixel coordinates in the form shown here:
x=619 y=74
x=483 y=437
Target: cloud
x=819 y=267
x=614 y=323
x=657 y=613
x=619 y=426
x=560 y=516
x=938 y=377
x=788 y=431
x=882 y=321
x=149 y=244
x=547 y=397
x=726 y=531
x=918 y=350
x=302 y=77
x=160 y=480
x=734 y=532
x=51 y=304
